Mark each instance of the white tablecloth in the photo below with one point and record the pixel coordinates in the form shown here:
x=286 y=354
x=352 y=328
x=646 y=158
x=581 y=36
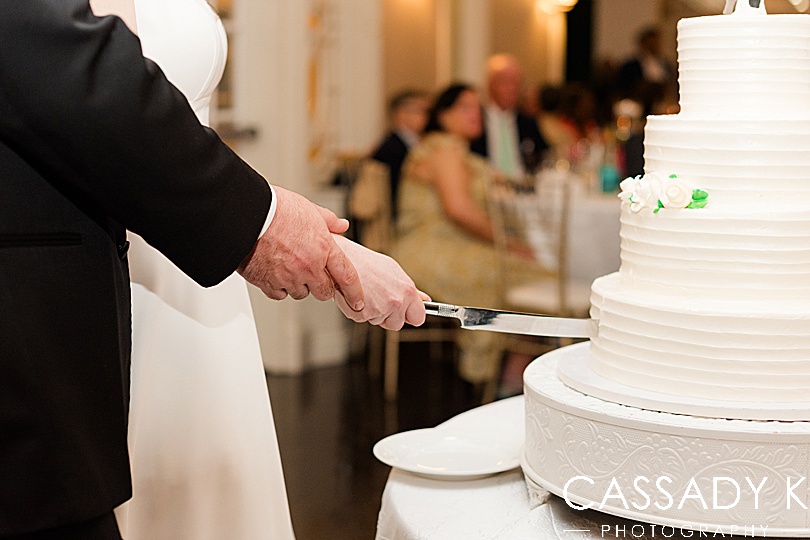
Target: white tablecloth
x=414 y=507
x=593 y=235
x=492 y=508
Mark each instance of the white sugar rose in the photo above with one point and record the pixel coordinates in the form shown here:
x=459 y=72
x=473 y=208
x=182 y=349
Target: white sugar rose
x=675 y=193
x=647 y=193
x=628 y=187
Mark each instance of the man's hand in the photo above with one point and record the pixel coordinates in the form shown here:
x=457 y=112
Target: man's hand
x=391 y=297
x=297 y=255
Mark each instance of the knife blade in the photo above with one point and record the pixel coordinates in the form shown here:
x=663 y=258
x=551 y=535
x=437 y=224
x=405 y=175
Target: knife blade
x=511 y=322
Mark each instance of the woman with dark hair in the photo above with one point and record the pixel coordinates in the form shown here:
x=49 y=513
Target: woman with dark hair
x=444 y=234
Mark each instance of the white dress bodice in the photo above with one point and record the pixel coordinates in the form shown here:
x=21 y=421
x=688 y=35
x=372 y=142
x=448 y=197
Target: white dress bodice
x=187 y=40
x=205 y=460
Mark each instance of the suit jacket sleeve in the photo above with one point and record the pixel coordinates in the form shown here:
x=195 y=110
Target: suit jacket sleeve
x=531 y=153
x=82 y=106
x=480 y=145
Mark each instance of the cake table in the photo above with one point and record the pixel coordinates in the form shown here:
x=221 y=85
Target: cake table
x=496 y=507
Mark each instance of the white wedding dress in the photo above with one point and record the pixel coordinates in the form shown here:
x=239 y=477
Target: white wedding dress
x=205 y=459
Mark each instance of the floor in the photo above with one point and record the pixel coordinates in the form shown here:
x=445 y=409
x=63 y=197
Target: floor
x=328 y=421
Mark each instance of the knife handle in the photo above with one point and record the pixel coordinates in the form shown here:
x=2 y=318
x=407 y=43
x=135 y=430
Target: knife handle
x=441 y=310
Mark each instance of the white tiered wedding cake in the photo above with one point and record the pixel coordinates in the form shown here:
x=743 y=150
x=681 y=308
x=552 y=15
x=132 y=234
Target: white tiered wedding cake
x=709 y=314
x=715 y=302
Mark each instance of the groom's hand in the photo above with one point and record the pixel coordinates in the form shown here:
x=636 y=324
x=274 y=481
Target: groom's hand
x=297 y=255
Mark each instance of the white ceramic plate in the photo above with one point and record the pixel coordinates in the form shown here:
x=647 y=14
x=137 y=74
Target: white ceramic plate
x=450 y=453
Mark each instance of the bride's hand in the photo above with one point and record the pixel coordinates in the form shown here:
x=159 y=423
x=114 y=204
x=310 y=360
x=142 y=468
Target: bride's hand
x=391 y=297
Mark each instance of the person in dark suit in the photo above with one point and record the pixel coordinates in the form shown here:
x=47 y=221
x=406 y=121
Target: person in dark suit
x=94 y=140
x=408 y=111
x=511 y=140
x=647 y=70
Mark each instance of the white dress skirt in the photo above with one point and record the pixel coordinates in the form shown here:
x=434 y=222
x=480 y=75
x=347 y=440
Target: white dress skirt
x=204 y=454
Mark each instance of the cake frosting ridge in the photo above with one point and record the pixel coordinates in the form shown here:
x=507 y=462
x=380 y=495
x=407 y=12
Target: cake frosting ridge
x=715 y=303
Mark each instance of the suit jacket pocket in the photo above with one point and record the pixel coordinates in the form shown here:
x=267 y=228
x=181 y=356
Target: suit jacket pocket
x=54 y=239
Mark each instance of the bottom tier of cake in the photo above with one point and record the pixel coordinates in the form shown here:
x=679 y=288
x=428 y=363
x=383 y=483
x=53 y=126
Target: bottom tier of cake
x=738 y=350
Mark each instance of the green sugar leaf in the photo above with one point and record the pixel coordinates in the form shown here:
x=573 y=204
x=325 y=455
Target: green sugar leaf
x=698 y=204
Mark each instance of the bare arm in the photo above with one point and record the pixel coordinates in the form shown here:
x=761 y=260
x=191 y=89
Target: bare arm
x=125 y=9
x=452 y=179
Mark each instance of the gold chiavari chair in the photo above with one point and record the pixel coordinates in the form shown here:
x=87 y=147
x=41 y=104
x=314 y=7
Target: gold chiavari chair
x=535 y=212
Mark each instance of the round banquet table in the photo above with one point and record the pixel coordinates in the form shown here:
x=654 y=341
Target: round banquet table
x=496 y=507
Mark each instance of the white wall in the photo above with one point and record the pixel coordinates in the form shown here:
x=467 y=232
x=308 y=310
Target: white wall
x=359 y=88
x=616 y=23
x=471 y=41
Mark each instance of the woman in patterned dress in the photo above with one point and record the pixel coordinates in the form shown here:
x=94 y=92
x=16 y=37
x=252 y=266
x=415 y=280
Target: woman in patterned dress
x=444 y=237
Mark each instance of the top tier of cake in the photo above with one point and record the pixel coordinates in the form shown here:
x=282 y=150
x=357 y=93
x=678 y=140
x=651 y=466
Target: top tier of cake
x=745 y=65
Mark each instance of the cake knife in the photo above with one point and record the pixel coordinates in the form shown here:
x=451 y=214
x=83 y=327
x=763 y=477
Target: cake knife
x=731 y=3
x=510 y=322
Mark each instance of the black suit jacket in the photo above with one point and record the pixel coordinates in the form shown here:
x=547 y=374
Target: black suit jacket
x=392 y=151
x=93 y=140
x=531 y=143
x=630 y=82
x=629 y=76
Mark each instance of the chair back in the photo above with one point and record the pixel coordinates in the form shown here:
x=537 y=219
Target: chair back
x=370 y=205
x=533 y=214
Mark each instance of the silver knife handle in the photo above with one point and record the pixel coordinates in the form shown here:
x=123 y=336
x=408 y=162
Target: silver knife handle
x=441 y=310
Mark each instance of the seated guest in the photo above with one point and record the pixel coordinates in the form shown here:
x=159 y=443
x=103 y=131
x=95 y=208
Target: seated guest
x=629 y=115
x=511 y=140
x=550 y=120
x=444 y=234
x=578 y=114
x=408 y=113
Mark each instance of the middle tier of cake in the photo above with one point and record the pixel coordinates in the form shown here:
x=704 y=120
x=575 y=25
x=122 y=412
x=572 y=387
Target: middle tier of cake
x=718 y=254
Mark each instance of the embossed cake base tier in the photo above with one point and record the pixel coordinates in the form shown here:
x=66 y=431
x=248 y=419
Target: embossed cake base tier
x=667 y=469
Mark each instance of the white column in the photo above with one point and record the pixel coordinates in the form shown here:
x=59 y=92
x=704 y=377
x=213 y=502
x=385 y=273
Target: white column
x=472 y=41
x=557 y=33
x=273 y=58
x=269 y=58
x=444 y=42
x=359 y=85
